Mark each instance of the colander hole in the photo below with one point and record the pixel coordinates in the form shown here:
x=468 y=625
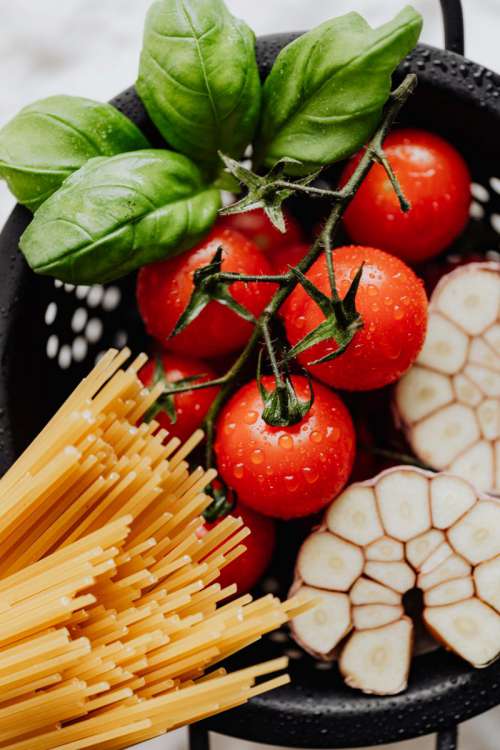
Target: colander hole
x=50 y=313
x=270 y=585
x=82 y=291
x=52 y=346
x=120 y=339
x=93 y=331
x=64 y=358
x=95 y=295
x=79 y=349
x=476 y=210
x=112 y=298
x=323 y=666
x=495 y=222
x=294 y=653
x=479 y=192
x=58 y=284
x=79 y=320
x=69 y=287
x=495 y=184
x=278 y=636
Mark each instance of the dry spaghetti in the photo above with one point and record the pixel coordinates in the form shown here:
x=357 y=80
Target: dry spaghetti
x=110 y=612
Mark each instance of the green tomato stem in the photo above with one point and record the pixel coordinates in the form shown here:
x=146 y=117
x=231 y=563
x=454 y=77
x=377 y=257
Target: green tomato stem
x=266 y=335
x=314 y=192
x=232 y=278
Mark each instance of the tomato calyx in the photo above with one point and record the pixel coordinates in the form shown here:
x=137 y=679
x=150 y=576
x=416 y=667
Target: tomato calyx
x=267 y=191
x=342 y=319
x=282 y=406
x=223 y=502
x=209 y=287
x=165 y=402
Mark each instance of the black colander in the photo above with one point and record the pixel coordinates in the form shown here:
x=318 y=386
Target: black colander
x=51 y=334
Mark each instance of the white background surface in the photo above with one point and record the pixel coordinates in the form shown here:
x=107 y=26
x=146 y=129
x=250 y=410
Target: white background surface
x=91 y=47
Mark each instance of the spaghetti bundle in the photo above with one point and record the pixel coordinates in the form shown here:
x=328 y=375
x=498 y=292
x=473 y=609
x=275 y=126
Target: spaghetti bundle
x=110 y=614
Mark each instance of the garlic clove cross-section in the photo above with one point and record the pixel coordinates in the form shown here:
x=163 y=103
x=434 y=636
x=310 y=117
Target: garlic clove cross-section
x=378 y=660
x=404 y=528
x=448 y=403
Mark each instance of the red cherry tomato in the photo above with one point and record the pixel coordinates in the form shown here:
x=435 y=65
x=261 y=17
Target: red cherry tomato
x=288 y=255
x=247 y=570
x=285 y=472
x=190 y=406
x=436 y=181
x=393 y=306
x=164 y=290
x=256 y=226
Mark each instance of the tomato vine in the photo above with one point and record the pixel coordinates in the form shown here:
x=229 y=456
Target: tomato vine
x=212 y=283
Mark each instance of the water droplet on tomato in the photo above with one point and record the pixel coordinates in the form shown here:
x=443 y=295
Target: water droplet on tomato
x=269 y=470
x=392 y=350
x=250 y=417
x=310 y=475
x=238 y=471
x=398 y=312
x=291 y=483
x=285 y=442
x=228 y=428
x=333 y=433
x=300 y=321
x=316 y=436
x=375 y=306
x=372 y=289
x=257 y=456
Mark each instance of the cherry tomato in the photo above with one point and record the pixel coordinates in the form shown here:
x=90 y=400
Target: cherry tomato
x=256 y=226
x=436 y=181
x=392 y=303
x=288 y=255
x=190 y=406
x=285 y=472
x=247 y=570
x=164 y=290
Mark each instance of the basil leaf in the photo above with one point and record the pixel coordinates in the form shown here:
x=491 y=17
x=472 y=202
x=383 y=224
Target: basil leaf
x=326 y=91
x=118 y=213
x=199 y=80
x=53 y=137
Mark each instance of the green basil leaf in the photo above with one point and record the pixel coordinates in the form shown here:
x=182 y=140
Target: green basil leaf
x=118 y=213
x=51 y=138
x=199 y=80
x=325 y=93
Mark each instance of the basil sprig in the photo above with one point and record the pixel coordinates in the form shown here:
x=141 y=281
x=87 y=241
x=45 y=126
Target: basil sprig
x=326 y=91
x=106 y=204
x=199 y=79
x=119 y=213
x=51 y=138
